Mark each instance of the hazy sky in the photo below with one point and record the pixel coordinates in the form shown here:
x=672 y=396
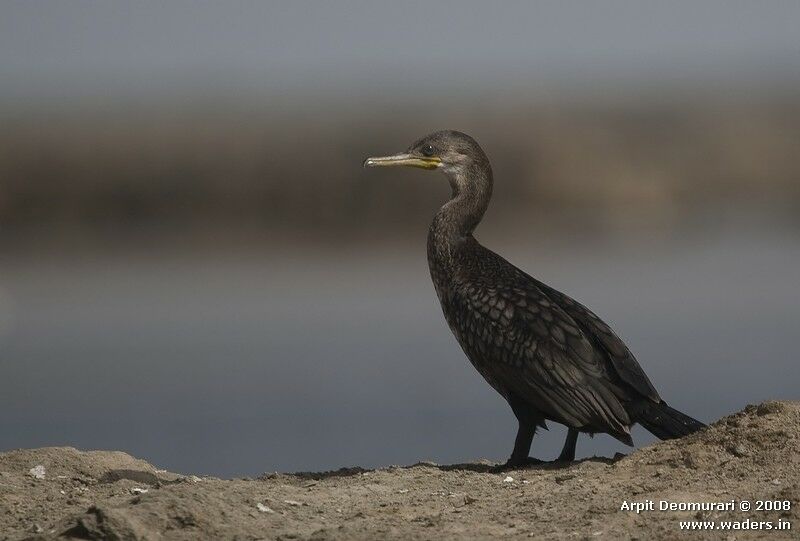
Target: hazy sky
x=67 y=47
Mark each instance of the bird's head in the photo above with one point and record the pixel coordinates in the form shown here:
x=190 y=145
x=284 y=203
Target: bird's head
x=454 y=153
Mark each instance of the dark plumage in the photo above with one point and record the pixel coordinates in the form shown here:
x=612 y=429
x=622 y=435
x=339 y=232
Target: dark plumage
x=549 y=356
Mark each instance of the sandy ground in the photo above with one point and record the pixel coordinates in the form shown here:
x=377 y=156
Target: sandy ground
x=752 y=455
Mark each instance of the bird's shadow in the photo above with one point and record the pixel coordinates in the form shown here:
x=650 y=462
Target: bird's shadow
x=476 y=467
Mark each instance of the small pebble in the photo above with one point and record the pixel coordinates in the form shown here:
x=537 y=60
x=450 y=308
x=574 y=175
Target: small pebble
x=37 y=472
x=739 y=450
x=263 y=508
x=508 y=479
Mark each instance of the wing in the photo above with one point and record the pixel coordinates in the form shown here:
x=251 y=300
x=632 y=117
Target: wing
x=621 y=358
x=515 y=334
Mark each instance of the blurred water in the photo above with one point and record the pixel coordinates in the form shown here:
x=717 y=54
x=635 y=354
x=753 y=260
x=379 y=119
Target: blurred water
x=234 y=362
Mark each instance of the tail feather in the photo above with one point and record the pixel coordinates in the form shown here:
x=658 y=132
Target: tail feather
x=663 y=421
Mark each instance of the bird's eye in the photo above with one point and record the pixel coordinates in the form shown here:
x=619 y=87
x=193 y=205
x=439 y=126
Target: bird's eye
x=427 y=150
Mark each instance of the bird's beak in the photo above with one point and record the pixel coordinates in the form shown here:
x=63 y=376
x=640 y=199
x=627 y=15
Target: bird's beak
x=409 y=160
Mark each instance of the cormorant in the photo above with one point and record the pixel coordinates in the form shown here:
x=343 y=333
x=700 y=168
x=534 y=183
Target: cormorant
x=549 y=356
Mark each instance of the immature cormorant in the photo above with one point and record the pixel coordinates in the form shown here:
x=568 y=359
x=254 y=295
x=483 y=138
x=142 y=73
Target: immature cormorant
x=549 y=356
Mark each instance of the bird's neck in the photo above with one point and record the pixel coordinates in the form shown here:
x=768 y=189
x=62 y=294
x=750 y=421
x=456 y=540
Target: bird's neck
x=457 y=219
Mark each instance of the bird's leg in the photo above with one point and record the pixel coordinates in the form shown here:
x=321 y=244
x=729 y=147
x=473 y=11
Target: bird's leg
x=522 y=445
x=568 y=452
x=527 y=428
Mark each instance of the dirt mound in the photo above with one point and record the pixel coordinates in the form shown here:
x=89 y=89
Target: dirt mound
x=752 y=456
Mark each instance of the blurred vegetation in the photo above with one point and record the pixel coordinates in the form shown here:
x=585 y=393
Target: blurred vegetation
x=299 y=168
